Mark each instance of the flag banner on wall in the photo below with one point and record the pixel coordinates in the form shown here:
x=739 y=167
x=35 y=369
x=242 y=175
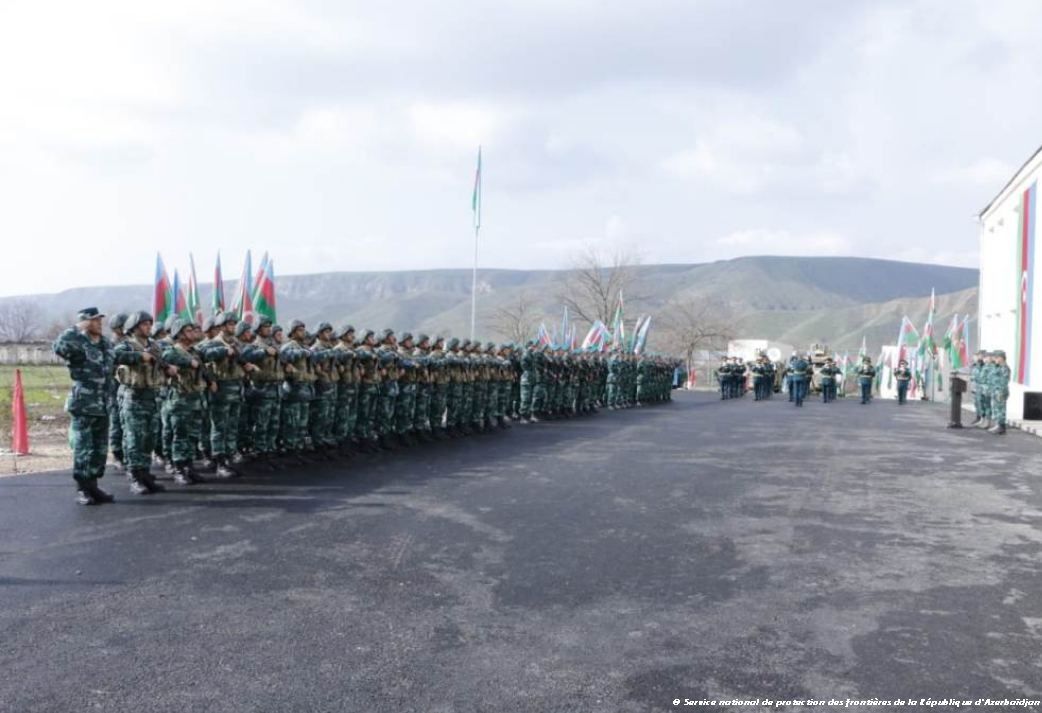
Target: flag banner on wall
x=1025 y=285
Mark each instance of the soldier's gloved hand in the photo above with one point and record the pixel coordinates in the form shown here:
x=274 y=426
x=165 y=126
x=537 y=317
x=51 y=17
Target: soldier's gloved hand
x=272 y=351
x=171 y=370
x=147 y=358
x=290 y=369
x=250 y=368
x=195 y=363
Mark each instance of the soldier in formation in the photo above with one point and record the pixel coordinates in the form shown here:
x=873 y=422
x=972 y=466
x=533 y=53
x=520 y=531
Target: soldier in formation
x=993 y=390
x=866 y=374
x=903 y=376
x=829 y=374
x=224 y=393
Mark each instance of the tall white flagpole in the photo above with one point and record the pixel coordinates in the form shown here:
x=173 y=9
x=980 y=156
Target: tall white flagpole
x=474 y=286
x=476 y=206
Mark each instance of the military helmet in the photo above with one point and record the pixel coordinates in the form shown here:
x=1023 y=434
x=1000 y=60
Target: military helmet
x=406 y=336
x=421 y=338
x=295 y=325
x=157 y=329
x=208 y=324
x=276 y=328
x=137 y=318
x=344 y=331
x=368 y=333
x=453 y=343
x=179 y=326
x=118 y=321
x=219 y=319
x=489 y=346
x=242 y=327
x=386 y=334
x=265 y=322
x=323 y=326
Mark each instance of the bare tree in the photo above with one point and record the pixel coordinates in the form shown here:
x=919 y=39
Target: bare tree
x=20 y=321
x=592 y=286
x=693 y=324
x=516 y=321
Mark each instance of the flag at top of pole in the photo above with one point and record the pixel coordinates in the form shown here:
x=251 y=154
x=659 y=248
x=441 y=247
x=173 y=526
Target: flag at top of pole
x=475 y=200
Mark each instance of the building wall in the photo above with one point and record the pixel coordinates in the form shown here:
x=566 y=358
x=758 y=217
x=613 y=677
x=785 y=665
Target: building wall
x=1004 y=285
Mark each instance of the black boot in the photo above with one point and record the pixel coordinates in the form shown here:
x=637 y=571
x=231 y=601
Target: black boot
x=150 y=481
x=84 y=495
x=137 y=485
x=97 y=493
x=224 y=470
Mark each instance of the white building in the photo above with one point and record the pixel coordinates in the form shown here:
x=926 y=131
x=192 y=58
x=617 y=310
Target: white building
x=1010 y=316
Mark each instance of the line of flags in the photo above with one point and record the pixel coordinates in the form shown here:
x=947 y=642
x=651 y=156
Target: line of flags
x=254 y=297
x=600 y=337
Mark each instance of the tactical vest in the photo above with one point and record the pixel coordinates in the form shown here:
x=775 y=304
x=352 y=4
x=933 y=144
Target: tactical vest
x=346 y=367
x=269 y=369
x=325 y=370
x=187 y=381
x=141 y=375
x=303 y=370
x=225 y=368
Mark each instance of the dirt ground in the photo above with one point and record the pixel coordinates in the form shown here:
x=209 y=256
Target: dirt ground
x=49 y=450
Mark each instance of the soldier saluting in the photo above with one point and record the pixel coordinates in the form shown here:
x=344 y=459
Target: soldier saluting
x=88 y=355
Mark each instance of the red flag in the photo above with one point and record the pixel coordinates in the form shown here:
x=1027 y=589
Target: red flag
x=20 y=423
x=162 y=300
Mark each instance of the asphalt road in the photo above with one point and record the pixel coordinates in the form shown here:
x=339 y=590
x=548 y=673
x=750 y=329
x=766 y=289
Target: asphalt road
x=703 y=550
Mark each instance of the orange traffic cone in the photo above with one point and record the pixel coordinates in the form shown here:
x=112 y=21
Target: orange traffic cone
x=20 y=424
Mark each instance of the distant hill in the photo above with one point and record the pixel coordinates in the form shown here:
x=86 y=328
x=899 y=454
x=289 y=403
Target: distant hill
x=797 y=300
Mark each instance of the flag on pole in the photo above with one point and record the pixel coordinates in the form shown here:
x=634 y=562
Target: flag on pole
x=642 y=336
x=194 y=308
x=242 y=308
x=257 y=279
x=180 y=303
x=264 y=296
x=964 y=343
x=217 y=302
x=864 y=349
x=1025 y=285
x=952 y=338
x=162 y=301
x=618 y=330
x=543 y=335
x=907 y=338
x=475 y=200
x=928 y=344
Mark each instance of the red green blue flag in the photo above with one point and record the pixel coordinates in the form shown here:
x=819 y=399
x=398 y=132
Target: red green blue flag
x=264 y=294
x=162 y=301
x=242 y=308
x=180 y=303
x=217 y=303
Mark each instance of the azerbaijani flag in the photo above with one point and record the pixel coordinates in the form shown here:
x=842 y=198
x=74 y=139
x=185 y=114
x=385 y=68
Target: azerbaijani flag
x=243 y=305
x=264 y=294
x=928 y=344
x=952 y=340
x=257 y=278
x=217 y=303
x=1025 y=284
x=543 y=335
x=162 y=301
x=180 y=303
x=964 y=343
x=618 y=337
x=907 y=338
x=194 y=308
x=475 y=200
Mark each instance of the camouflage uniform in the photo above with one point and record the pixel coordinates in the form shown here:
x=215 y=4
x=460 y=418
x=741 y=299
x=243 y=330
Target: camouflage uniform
x=184 y=401
x=349 y=373
x=263 y=395
x=90 y=363
x=441 y=379
x=140 y=374
x=998 y=389
x=424 y=387
x=387 y=358
x=368 y=390
x=327 y=376
x=297 y=389
x=405 y=406
x=116 y=438
x=222 y=356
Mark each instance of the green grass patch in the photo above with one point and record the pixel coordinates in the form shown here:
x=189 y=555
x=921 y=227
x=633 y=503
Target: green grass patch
x=45 y=387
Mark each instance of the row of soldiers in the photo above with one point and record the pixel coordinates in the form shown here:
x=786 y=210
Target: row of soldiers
x=990 y=375
x=733 y=372
x=224 y=392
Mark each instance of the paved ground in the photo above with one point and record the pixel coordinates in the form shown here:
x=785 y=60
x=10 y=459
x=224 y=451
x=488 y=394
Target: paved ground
x=701 y=550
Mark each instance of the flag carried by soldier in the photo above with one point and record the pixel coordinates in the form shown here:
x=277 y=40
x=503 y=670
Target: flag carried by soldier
x=194 y=307
x=264 y=292
x=162 y=301
x=242 y=308
x=217 y=302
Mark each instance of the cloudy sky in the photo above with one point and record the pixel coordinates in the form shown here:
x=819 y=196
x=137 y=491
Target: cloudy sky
x=342 y=135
